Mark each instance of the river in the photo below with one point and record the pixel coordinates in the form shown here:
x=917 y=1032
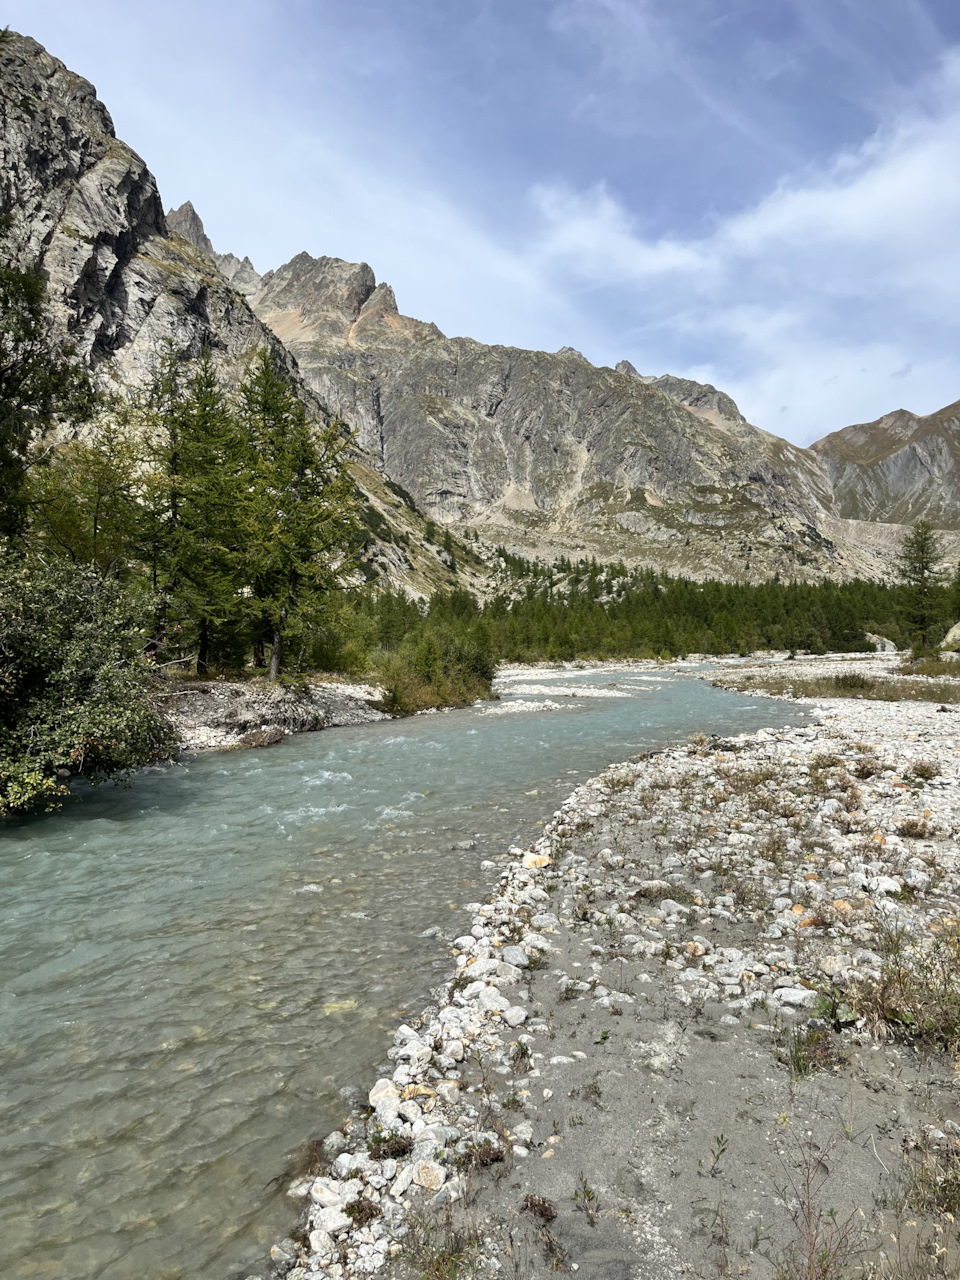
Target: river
x=191 y=969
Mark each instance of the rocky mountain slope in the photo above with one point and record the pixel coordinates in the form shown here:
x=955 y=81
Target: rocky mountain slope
x=900 y=468
x=124 y=280
x=542 y=452
x=86 y=206
x=548 y=454
x=545 y=452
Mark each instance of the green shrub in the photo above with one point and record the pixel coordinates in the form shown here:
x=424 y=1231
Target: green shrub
x=74 y=695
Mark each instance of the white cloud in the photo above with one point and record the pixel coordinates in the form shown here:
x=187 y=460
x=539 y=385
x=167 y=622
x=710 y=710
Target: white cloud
x=808 y=304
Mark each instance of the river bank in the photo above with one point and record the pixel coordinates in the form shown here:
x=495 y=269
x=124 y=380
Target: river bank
x=219 y=714
x=633 y=1071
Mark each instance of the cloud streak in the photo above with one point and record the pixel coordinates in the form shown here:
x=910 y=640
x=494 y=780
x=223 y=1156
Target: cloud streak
x=853 y=273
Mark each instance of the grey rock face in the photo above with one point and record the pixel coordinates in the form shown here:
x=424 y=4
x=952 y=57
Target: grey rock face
x=186 y=222
x=86 y=207
x=545 y=450
x=899 y=469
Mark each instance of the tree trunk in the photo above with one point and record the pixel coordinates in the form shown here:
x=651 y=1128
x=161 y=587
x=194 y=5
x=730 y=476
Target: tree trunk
x=258 y=659
x=203 y=647
x=274 y=672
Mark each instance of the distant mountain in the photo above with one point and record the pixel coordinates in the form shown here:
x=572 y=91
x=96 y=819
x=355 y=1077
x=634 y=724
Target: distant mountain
x=542 y=452
x=900 y=468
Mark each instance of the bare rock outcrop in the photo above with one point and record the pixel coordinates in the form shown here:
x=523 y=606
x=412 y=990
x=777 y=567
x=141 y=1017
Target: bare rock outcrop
x=899 y=469
x=85 y=206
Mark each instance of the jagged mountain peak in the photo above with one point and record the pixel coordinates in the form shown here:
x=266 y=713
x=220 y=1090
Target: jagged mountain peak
x=186 y=222
x=900 y=468
x=334 y=302
x=241 y=273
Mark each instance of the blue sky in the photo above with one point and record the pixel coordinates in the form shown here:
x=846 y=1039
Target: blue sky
x=764 y=194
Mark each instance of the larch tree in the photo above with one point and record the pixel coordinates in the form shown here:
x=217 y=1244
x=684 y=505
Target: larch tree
x=192 y=493
x=42 y=383
x=297 y=510
x=919 y=565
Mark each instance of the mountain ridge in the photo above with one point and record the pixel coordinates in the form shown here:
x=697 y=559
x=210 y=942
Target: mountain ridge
x=542 y=452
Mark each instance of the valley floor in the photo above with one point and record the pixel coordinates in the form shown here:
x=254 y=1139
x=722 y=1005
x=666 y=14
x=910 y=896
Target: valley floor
x=669 y=1046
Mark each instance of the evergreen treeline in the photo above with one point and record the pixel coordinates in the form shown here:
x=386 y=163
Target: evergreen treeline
x=206 y=531
x=453 y=643
x=184 y=526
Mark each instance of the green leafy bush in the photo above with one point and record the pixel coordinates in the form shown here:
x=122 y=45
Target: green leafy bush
x=73 y=686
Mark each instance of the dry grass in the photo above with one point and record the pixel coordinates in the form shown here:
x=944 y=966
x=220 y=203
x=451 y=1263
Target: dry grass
x=931 y=667
x=806 y=1050
x=850 y=685
x=443 y=1248
x=918 y=995
x=824 y=1245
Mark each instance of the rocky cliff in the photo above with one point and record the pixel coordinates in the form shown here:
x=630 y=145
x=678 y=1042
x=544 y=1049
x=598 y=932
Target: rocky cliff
x=86 y=207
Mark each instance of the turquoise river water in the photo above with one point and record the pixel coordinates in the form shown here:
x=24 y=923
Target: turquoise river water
x=191 y=969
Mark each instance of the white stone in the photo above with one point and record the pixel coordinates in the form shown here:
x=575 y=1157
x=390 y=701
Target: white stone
x=429 y=1174
x=381 y=1090
x=325 y=1192
x=321 y=1242
x=796 y=997
x=491 y=1001
x=332 y=1220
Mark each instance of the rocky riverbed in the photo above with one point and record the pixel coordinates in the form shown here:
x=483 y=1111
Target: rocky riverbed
x=216 y=714
x=673 y=1042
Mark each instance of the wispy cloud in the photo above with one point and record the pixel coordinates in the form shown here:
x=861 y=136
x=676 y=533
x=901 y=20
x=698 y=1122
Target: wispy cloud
x=854 y=272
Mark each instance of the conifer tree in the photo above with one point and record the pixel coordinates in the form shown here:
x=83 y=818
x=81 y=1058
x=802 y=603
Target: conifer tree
x=84 y=503
x=920 y=569
x=192 y=495
x=296 y=510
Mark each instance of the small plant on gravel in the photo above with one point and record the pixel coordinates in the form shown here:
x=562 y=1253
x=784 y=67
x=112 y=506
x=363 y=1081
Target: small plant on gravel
x=806 y=1050
x=520 y=1057
x=388 y=1144
x=915 y=828
x=918 y=995
x=852 y=680
x=362 y=1211
x=481 y=1155
x=920 y=1252
x=824 y=1244
x=458 y=982
x=540 y=1207
x=866 y=767
x=512 y=1102
x=718 y=1149
x=586 y=1199
x=440 y=1250
x=924 y=770
x=934 y=1176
